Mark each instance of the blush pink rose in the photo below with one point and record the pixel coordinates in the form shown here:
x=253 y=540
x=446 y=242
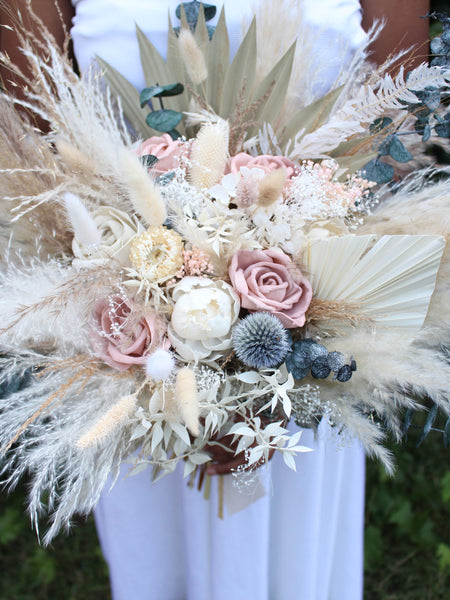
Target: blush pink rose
x=267 y=280
x=265 y=162
x=124 y=337
x=168 y=152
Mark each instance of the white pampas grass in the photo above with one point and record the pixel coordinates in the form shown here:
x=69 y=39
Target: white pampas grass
x=83 y=225
x=108 y=423
x=209 y=154
x=143 y=193
x=187 y=400
x=160 y=364
x=193 y=57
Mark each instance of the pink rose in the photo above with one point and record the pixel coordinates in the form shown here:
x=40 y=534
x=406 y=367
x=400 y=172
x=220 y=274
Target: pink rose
x=124 y=336
x=168 y=151
x=265 y=162
x=267 y=280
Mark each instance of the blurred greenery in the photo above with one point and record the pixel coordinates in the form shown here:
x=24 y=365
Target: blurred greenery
x=407 y=537
x=72 y=569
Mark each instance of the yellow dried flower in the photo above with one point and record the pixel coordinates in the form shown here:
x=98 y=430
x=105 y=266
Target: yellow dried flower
x=157 y=253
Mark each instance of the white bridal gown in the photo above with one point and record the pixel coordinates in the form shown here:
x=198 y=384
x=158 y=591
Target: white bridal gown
x=303 y=539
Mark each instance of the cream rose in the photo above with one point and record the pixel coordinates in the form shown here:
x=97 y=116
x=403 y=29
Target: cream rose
x=117 y=230
x=203 y=315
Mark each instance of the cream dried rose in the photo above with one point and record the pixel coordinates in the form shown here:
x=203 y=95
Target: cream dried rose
x=202 y=317
x=117 y=229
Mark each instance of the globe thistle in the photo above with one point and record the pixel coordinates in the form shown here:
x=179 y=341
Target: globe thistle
x=261 y=341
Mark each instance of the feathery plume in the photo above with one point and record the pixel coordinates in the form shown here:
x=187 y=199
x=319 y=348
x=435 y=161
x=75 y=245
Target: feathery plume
x=271 y=187
x=114 y=417
x=82 y=223
x=144 y=195
x=209 y=154
x=186 y=399
x=193 y=58
x=72 y=157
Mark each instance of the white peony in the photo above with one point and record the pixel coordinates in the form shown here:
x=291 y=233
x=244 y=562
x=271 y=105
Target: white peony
x=203 y=315
x=117 y=229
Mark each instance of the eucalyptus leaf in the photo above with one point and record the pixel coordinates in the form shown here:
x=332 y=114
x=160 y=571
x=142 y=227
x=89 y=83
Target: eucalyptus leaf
x=192 y=10
x=428 y=424
x=426 y=133
x=447 y=433
x=164 y=179
x=164 y=120
x=379 y=124
x=443 y=129
x=148 y=160
x=409 y=415
x=398 y=151
x=378 y=171
x=160 y=91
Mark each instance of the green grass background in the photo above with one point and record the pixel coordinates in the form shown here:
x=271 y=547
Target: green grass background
x=407 y=541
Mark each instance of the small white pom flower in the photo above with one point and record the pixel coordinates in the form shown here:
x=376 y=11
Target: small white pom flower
x=159 y=364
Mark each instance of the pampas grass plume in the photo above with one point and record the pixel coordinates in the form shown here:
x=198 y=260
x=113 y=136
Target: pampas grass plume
x=107 y=423
x=82 y=223
x=271 y=187
x=73 y=158
x=209 y=155
x=143 y=193
x=193 y=58
x=186 y=399
x=159 y=365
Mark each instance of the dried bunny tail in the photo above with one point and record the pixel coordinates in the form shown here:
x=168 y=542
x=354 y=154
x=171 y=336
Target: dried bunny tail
x=193 y=57
x=72 y=157
x=143 y=193
x=83 y=225
x=187 y=400
x=271 y=187
x=108 y=423
x=209 y=154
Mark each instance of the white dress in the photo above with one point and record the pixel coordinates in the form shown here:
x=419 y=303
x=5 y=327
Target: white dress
x=303 y=539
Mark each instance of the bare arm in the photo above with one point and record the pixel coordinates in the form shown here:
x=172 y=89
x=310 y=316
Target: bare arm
x=404 y=28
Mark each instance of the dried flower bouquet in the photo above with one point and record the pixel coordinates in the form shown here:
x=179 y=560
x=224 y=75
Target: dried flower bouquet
x=162 y=294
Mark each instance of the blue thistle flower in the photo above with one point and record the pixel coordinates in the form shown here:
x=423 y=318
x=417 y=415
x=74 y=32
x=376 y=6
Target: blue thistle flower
x=261 y=341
